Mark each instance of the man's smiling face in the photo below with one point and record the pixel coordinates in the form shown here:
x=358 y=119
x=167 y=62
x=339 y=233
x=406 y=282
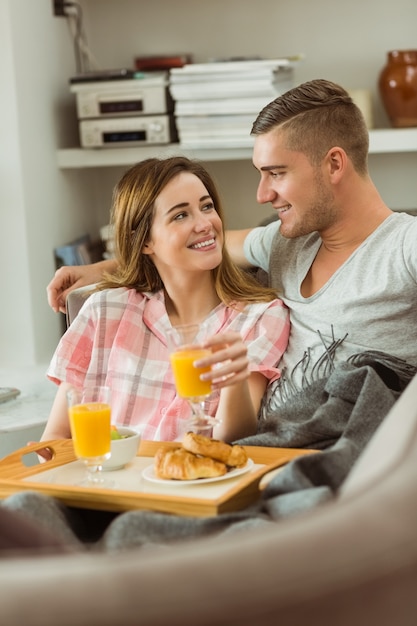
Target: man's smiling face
x=296 y=189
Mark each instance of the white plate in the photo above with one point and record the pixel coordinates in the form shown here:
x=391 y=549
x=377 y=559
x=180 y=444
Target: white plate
x=149 y=474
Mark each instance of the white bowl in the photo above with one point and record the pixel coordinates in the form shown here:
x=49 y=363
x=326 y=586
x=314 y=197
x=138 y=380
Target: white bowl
x=123 y=451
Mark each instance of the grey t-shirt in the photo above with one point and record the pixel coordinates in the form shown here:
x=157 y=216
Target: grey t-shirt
x=370 y=302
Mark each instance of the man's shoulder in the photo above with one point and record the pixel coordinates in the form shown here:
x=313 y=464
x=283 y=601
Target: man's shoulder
x=402 y=220
x=399 y=226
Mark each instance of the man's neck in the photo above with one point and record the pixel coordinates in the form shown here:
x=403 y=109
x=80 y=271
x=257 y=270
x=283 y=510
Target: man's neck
x=352 y=230
x=338 y=247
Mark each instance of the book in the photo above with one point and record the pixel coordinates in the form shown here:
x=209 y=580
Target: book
x=200 y=143
x=221 y=106
x=161 y=61
x=228 y=89
x=235 y=66
x=267 y=74
x=200 y=122
x=215 y=129
x=82 y=251
x=235 y=79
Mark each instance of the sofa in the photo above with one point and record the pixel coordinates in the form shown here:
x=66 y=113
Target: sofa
x=348 y=562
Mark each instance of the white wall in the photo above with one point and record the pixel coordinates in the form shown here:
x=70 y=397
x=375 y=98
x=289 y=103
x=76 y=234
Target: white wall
x=13 y=248
x=42 y=207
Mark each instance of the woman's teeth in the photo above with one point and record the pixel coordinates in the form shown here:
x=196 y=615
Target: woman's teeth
x=203 y=244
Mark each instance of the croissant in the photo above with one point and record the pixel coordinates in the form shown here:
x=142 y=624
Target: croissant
x=179 y=464
x=231 y=455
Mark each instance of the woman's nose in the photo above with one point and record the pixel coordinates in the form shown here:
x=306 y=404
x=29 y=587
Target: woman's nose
x=202 y=222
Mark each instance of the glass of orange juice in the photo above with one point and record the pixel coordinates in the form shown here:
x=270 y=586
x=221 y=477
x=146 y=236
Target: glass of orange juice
x=185 y=347
x=89 y=415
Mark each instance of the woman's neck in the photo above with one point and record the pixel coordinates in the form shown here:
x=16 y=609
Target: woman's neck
x=190 y=302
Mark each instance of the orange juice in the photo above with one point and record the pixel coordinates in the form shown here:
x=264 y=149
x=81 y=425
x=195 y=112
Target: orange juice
x=187 y=377
x=90 y=429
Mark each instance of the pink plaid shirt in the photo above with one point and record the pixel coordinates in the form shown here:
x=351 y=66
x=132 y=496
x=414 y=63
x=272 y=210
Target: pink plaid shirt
x=118 y=339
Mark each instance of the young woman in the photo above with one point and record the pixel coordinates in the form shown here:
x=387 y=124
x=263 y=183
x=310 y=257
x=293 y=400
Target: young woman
x=172 y=269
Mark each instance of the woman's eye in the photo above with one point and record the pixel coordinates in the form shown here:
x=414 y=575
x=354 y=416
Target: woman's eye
x=179 y=216
x=208 y=207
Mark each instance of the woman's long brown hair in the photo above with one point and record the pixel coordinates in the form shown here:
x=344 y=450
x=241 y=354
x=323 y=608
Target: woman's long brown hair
x=132 y=217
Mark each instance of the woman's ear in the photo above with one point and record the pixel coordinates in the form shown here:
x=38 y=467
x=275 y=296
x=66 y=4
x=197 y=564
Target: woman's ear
x=147 y=248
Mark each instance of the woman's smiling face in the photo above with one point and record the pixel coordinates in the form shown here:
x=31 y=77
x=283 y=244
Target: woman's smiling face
x=187 y=232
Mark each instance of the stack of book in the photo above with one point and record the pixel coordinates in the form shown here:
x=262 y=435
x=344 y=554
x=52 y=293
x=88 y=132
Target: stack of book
x=216 y=103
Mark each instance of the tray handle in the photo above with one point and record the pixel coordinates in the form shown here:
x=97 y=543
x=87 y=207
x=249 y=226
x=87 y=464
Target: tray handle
x=14 y=466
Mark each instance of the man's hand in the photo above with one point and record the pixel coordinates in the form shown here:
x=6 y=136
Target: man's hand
x=72 y=277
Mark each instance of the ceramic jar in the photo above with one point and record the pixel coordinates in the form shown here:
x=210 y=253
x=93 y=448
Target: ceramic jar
x=398 y=87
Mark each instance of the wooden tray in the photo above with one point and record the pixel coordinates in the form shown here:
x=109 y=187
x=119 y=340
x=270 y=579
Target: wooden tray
x=130 y=490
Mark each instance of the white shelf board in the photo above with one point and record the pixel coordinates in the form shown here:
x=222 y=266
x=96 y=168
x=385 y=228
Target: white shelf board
x=78 y=158
x=392 y=140
x=384 y=140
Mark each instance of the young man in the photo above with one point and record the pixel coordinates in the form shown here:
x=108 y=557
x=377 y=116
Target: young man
x=342 y=261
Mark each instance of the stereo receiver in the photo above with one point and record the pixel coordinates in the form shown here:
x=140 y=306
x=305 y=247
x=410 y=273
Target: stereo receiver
x=127 y=131
x=121 y=98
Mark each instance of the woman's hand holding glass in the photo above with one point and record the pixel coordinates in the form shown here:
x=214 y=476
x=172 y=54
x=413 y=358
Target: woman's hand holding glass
x=228 y=362
x=185 y=347
x=202 y=364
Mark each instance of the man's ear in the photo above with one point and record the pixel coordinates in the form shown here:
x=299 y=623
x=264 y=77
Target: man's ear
x=337 y=160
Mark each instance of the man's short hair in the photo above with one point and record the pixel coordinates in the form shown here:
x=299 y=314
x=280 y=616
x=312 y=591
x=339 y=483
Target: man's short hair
x=317 y=116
